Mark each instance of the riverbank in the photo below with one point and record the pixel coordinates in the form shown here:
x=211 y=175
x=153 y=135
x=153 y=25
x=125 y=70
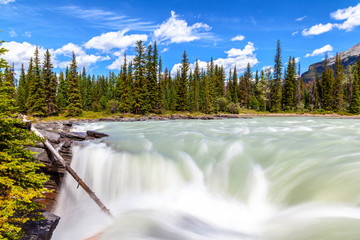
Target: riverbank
x=95 y=117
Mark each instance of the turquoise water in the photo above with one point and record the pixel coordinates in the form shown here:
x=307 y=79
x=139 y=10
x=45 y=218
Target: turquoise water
x=260 y=178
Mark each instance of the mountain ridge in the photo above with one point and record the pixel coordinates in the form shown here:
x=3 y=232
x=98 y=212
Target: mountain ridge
x=348 y=57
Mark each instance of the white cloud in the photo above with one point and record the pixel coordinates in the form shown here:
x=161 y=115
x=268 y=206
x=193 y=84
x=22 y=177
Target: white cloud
x=297 y=59
x=319 y=51
x=295 y=33
x=110 y=40
x=27 y=34
x=235 y=52
x=13 y=33
x=6 y=1
x=300 y=18
x=164 y=50
x=82 y=58
x=236 y=57
x=318 y=29
x=20 y=53
x=68 y=49
x=116 y=65
x=175 y=30
x=351 y=15
x=106 y=19
x=238 y=38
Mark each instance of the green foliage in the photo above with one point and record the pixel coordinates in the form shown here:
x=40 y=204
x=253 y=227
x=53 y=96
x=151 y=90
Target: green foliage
x=113 y=106
x=233 y=108
x=22 y=92
x=20 y=183
x=50 y=85
x=253 y=103
x=338 y=85
x=290 y=86
x=75 y=107
x=36 y=100
x=276 y=84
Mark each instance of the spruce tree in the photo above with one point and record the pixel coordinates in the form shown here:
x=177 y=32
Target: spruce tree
x=50 y=85
x=75 y=107
x=183 y=94
x=276 y=84
x=141 y=104
x=327 y=87
x=20 y=182
x=355 y=98
x=234 y=87
x=36 y=101
x=290 y=86
x=124 y=89
x=21 y=96
x=196 y=80
x=338 y=85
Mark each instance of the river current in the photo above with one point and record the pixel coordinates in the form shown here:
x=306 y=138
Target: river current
x=259 y=178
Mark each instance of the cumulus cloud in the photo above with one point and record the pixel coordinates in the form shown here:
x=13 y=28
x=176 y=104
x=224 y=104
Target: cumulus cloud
x=319 y=51
x=20 y=53
x=350 y=17
x=116 y=65
x=82 y=58
x=318 y=29
x=6 y=1
x=176 y=30
x=235 y=57
x=248 y=50
x=238 y=38
x=111 y=40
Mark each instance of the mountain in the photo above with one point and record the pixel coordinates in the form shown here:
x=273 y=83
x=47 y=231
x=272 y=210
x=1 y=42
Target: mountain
x=348 y=57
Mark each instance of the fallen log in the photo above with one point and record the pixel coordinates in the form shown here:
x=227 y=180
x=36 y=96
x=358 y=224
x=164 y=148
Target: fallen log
x=73 y=173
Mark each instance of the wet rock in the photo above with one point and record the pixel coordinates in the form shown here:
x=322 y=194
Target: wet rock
x=41 y=229
x=73 y=136
x=95 y=134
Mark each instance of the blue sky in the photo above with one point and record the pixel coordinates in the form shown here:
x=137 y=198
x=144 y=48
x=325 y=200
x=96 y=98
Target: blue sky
x=232 y=32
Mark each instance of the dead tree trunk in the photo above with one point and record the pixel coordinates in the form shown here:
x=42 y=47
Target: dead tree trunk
x=73 y=173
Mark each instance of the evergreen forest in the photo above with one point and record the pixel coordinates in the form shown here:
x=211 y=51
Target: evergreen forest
x=143 y=87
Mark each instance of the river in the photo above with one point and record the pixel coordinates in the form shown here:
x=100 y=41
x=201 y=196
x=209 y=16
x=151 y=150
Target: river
x=259 y=178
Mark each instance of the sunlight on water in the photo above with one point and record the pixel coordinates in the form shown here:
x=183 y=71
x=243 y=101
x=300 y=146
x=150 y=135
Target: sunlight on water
x=261 y=178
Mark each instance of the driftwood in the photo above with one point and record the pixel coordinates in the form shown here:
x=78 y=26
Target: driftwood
x=73 y=173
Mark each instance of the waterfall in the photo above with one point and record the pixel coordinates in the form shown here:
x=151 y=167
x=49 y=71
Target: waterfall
x=194 y=180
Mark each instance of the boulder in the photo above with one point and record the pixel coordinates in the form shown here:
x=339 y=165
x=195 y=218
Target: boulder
x=41 y=229
x=73 y=136
x=95 y=134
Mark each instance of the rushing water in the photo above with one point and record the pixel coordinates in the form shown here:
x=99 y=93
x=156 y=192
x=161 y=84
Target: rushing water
x=261 y=178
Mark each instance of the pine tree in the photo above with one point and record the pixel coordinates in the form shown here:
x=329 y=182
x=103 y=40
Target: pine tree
x=20 y=183
x=36 y=101
x=22 y=92
x=183 y=94
x=141 y=104
x=338 y=85
x=276 y=85
x=75 y=107
x=327 y=87
x=234 y=87
x=290 y=86
x=196 y=79
x=124 y=89
x=50 y=85
x=355 y=99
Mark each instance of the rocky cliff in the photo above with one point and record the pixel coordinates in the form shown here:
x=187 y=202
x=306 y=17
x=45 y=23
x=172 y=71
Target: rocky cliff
x=349 y=57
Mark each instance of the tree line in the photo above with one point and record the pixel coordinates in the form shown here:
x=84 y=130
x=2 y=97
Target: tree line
x=142 y=87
